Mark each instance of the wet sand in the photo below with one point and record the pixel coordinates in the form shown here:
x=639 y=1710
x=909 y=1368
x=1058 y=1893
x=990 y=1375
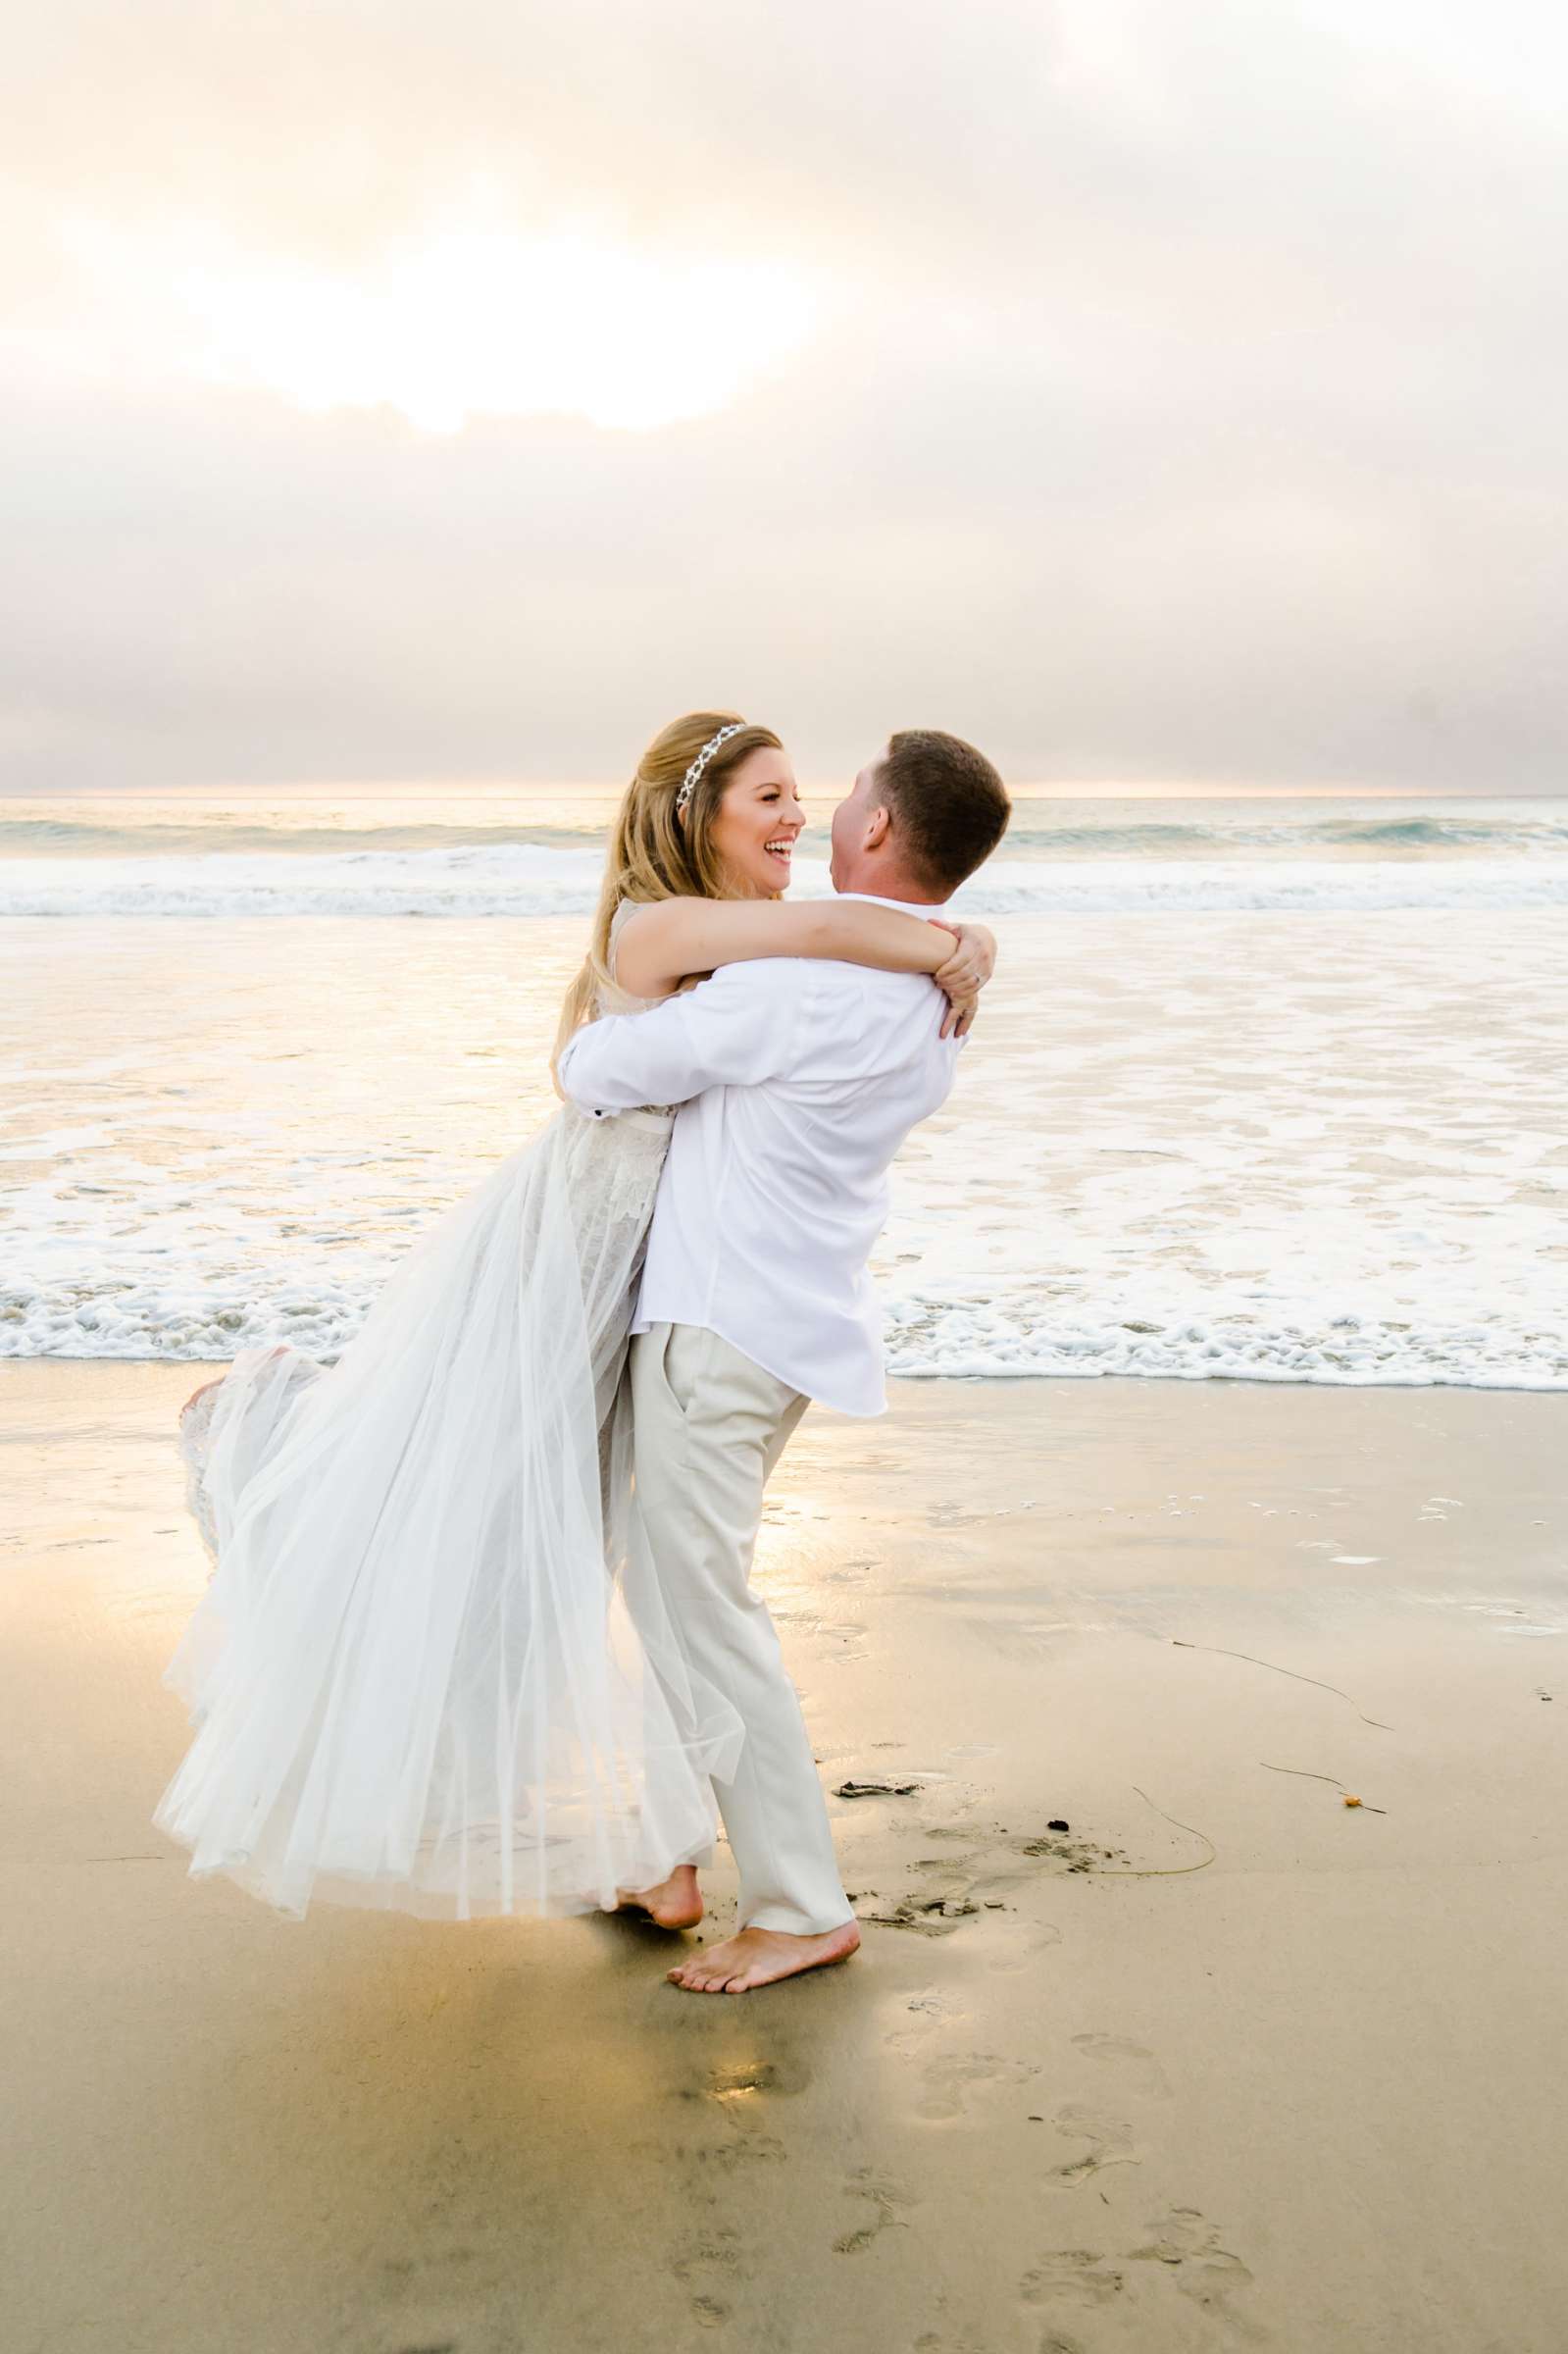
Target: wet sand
x=1227 y=2062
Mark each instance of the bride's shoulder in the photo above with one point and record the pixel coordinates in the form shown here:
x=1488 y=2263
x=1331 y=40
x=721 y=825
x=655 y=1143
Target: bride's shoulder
x=658 y=921
x=624 y=911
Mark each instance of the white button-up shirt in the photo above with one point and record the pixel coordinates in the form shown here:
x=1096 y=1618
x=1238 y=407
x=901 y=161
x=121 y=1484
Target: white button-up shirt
x=798 y=1080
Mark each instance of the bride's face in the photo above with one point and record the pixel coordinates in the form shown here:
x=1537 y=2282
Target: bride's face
x=756 y=824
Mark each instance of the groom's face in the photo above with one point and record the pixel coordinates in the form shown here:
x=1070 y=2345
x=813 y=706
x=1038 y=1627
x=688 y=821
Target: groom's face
x=852 y=820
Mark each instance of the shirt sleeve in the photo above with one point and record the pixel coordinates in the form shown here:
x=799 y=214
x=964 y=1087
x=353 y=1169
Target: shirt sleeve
x=736 y=1030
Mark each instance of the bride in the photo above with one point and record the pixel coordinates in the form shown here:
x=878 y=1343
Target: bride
x=432 y=1668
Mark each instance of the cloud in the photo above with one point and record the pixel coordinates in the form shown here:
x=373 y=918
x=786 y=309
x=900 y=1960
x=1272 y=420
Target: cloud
x=1184 y=398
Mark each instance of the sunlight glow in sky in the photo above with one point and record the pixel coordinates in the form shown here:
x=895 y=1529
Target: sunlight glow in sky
x=472 y=320
x=1154 y=396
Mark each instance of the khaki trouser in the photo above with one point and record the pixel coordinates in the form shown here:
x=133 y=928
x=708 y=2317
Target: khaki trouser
x=710 y=1425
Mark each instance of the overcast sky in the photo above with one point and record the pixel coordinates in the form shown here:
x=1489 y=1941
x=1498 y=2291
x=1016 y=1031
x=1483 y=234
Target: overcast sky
x=1151 y=392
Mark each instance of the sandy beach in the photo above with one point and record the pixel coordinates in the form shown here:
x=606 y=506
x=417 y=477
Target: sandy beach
x=1225 y=2062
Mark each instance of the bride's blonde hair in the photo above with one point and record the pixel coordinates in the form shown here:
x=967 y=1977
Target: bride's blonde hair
x=655 y=854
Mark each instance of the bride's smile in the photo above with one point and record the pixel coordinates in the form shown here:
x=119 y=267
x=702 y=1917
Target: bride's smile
x=758 y=823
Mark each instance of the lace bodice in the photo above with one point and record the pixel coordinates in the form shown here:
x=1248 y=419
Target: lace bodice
x=616 y=1164
x=618 y=999
x=621 y=1000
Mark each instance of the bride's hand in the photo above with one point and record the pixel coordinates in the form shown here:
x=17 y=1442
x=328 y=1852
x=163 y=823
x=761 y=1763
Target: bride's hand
x=965 y=974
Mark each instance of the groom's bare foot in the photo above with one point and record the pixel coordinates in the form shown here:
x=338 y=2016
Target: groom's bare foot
x=676 y=1903
x=756 y=1957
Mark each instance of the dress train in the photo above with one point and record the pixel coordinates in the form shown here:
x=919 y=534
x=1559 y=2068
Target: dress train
x=432 y=1668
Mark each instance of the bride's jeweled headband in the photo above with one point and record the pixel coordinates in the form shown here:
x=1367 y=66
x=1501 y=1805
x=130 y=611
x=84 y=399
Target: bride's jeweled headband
x=690 y=782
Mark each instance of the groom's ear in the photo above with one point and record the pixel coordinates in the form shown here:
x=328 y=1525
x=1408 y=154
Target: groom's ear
x=878 y=826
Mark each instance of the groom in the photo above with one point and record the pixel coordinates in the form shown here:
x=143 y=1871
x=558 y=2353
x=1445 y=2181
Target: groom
x=798 y=1081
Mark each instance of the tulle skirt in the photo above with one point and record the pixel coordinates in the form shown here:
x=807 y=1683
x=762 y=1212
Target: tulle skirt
x=433 y=1669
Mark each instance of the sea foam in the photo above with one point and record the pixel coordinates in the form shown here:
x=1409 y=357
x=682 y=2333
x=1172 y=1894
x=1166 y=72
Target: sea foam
x=523 y=879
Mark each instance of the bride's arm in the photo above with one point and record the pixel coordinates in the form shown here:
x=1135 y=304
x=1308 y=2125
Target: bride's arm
x=670 y=939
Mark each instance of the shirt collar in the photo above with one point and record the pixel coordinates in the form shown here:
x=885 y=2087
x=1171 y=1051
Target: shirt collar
x=906 y=906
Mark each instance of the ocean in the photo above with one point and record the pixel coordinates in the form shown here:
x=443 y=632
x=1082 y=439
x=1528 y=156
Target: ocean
x=1266 y=1088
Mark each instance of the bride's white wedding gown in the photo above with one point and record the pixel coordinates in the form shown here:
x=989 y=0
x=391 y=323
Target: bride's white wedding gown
x=433 y=1667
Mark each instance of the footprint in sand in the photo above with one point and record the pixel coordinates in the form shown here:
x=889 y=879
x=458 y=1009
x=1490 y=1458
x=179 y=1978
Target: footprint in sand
x=748 y=2148
x=960 y=1883
x=1080 y=2276
x=886 y=2198
x=935 y=1909
x=1144 y=2070
x=1108 y=2143
x=933 y=2001
x=947 y=2081
x=1069 y=1853
x=1017 y=1944
x=1188 y=2247
x=741 y=2096
x=706 y=2265
x=926 y=1915
x=845 y=1638
x=1183 y=2255
x=959 y=1864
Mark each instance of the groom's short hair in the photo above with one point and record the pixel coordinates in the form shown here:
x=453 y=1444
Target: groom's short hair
x=949 y=808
